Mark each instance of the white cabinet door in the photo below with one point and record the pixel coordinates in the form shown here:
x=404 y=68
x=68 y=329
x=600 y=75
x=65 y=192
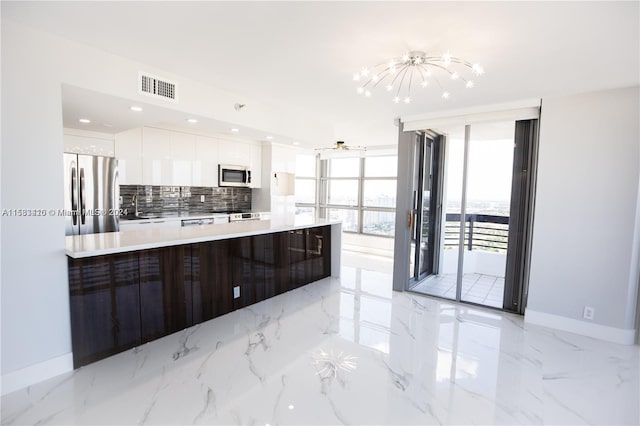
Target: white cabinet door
x=157 y=164
x=256 y=166
x=205 y=165
x=128 y=150
x=183 y=152
x=234 y=153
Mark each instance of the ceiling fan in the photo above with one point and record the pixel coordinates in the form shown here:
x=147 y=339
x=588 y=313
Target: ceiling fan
x=341 y=148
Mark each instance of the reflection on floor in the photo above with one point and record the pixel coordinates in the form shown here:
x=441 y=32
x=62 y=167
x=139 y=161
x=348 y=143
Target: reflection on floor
x=348 y=351
x=477 y=288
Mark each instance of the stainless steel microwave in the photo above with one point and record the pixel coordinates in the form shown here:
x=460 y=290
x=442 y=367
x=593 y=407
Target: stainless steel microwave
x=229 y=175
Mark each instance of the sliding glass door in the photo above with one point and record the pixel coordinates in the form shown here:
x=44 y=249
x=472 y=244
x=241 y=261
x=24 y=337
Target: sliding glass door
x=470 y=203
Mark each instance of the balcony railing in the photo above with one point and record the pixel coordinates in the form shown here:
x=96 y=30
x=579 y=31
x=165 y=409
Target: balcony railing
x=482 y=232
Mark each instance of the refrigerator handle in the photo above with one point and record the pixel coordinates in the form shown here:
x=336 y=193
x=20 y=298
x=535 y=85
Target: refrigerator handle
x=82 y=197
x=74 y=190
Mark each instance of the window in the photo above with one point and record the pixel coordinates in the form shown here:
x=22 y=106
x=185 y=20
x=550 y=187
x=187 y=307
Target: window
x=342 y=192
x=343 y=167
x=349 y=218
x=305 y=185
x=305 y=191
x=379 y=193
x=385 y=166
x=361 y=192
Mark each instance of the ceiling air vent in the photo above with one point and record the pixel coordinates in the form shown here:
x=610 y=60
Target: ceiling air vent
x=157 y=87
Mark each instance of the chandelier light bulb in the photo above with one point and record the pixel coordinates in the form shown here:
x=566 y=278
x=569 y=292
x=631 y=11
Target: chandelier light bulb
x=413 y=68
x=477 y=69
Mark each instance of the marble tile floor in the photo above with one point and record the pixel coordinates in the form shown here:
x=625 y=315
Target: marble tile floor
x=348 y=351
x=477 y=288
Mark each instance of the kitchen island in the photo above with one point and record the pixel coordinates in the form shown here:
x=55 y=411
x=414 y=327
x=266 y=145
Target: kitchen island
x=128 y=288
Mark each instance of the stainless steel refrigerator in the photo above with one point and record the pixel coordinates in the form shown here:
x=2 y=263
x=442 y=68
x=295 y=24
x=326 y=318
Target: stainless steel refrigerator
x=91 y=194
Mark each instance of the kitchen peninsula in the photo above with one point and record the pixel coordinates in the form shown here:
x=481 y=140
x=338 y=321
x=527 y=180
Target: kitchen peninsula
x=130 y=287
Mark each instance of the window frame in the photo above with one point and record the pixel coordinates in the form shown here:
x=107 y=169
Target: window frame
x=324 y=206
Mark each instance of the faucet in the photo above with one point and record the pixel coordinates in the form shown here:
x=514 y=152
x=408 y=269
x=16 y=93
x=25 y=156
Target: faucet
x=134 y=203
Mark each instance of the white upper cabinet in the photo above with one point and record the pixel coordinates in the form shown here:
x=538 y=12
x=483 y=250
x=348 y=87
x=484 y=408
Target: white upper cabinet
x=151 y=156
x=87 y=142
x=234 y=153
x=183 y=154
x=157 y=164
x=243 y=154
x=256 y=166
x=167 y=157
x=128 y=151
x=205 y=165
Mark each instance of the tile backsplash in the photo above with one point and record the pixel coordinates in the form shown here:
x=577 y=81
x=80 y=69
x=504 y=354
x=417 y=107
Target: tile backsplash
x=173 y=200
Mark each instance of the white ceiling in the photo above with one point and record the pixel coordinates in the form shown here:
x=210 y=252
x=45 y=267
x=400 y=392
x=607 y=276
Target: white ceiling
x=302 y=55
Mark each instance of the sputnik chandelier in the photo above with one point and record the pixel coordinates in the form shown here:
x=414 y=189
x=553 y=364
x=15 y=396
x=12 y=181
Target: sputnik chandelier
x=399 y=75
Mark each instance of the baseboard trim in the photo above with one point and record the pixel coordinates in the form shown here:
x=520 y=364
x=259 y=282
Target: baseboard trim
x=598 y=331
x=36 y=373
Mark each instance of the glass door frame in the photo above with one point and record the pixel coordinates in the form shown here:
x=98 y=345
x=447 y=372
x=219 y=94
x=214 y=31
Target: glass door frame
x=522 y=201
x=429 y=146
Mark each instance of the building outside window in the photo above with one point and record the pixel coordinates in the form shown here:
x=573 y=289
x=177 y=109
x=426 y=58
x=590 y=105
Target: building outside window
x=379 y=195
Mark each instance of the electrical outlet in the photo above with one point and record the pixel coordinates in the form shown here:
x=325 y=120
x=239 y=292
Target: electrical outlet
x=202 y=198
x=236 y=292
x=588 y=313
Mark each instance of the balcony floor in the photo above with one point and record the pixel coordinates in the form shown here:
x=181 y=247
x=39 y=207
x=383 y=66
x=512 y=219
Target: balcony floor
x=476 y=288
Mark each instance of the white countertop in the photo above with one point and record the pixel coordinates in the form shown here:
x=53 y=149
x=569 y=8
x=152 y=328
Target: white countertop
x=79 y=246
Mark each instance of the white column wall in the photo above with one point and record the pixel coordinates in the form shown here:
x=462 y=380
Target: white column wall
x=585 y=236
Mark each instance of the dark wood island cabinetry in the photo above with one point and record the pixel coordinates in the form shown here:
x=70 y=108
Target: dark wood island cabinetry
x=119 y=301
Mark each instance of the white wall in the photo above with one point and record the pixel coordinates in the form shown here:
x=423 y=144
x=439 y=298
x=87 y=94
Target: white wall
x=35 y=311
x=586 y=236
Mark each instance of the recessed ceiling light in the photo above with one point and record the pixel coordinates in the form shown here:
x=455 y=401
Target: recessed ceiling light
x=269 y=138
x=136 y=108
x=192 y=120
x=234 y=130
x=84 y=121
x=296 y=143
